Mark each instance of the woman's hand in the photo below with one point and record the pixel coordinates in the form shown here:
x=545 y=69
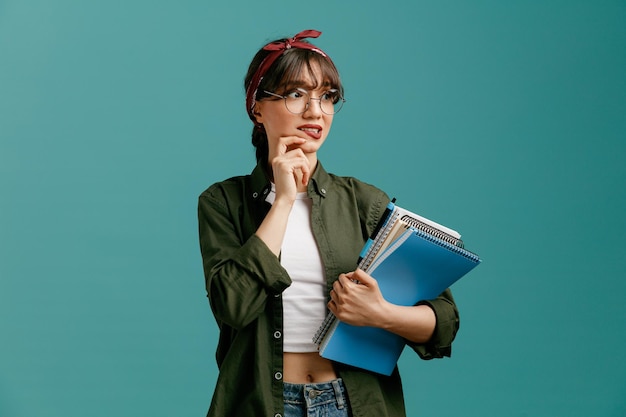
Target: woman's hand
x=290 y=167
x=291 y=171
x=356 y=299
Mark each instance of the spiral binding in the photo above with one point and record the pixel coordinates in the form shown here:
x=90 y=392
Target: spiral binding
x=447 y=245
x=378 y=242
x=324 y=328
x=419 y=225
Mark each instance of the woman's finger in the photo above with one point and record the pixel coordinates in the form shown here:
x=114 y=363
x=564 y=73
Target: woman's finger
x=284 y=143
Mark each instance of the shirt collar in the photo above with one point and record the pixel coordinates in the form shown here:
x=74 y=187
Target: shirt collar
x=260 y=185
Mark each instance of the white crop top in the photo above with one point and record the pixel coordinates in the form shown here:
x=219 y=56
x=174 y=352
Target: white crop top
x=304 y=301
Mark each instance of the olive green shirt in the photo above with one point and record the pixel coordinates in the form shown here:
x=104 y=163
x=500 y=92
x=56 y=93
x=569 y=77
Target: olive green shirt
x=245 y=280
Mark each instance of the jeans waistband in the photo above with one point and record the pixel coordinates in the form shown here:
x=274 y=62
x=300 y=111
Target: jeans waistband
x=316 y=394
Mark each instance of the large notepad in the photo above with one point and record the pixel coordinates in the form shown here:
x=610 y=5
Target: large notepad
x=413 y=259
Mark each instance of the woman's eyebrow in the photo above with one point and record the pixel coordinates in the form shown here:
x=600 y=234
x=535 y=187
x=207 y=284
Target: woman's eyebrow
x=307 y=86
x=299 y=84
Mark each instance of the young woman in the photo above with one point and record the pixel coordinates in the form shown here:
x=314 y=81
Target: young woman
x=279 y=249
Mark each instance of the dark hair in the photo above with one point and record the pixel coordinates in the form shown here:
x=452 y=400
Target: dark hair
x=285 y=71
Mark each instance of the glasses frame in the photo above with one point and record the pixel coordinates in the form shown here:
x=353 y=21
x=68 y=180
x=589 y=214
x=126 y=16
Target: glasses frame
x=308 y=103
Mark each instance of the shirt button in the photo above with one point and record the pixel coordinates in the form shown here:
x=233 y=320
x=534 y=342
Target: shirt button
x=277 y=334
x=278 y=376
x=323 y=190
x=255 y=195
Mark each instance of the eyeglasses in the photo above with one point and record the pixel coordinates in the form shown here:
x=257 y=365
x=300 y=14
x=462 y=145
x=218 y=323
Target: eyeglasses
x=298 y=101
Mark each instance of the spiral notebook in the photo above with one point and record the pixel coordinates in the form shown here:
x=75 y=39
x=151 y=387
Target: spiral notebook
x=413 y=259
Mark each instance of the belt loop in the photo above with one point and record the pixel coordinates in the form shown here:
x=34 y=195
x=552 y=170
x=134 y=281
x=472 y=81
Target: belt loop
x=338 y=394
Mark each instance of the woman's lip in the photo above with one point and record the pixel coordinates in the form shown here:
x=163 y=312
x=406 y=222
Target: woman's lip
x=313 y=131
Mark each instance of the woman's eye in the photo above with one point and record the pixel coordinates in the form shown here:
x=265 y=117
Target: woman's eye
x=331 y=95
x=295 y=94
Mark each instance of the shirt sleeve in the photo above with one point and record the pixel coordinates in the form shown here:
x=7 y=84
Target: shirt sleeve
x=440 y=344
x=240 y=272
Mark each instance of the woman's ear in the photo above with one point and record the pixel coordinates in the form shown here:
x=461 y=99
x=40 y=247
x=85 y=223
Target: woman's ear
x=256 y=111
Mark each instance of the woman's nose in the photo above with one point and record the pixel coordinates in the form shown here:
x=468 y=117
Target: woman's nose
x=314 y=109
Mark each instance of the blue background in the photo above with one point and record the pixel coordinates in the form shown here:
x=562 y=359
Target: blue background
x=503 y=120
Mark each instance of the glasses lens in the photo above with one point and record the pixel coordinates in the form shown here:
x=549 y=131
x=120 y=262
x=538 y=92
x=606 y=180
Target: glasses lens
x=297 y=101
x=331 y=102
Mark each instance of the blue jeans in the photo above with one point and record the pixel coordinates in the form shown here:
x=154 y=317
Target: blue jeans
x=327 y=399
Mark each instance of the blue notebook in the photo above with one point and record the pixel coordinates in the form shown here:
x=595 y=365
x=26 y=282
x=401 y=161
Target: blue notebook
x=411 y=263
